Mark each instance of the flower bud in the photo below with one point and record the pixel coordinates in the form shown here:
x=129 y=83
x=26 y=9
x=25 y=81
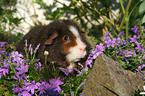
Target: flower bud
x=46 y=52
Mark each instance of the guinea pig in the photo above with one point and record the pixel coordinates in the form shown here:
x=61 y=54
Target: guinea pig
x=63 y=39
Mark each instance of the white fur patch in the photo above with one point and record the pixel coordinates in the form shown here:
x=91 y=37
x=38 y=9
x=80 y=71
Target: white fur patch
x=74 y=31
x=78 y=51
x=71 y=66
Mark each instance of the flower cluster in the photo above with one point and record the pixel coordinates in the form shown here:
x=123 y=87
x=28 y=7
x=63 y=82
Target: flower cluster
x=92 y=56
x=14 y=64
x=43 y=88
x=129 y=52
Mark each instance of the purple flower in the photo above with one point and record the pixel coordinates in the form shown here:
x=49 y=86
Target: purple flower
x=82 y=94
x=38 y=66
x=22 y=69
x=2 y=51
x=20 y=77
x=128 y=53
x=65 y=71
x=81 y=84
x=138 y=69
x=139 y=47
x=30 y=47
x=134 y=53
x=73 y=94
x=80 y=72
x=135 y=30
x=88 y=63
x=53 y=88
x=122 y=53
x=125 y=43
x=2 y=44
x=26 y=42
x=56 y=83
x=24 y=92
x=4 y=69
x=16 y=56
x=134 y=39
x=106 y=37
x=119 y=40
x=41 y=87
x=17 y=89
x=99 y=49
x=143 y=65
x=126 y=60
x=31 y=52
x=121 y=33
x=110 y=42
x=108 y=33
x=80 y=64
x=36 y=48
x=31 y=86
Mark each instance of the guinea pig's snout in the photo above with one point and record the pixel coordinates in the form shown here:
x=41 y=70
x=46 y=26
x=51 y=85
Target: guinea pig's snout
x=81 y=46
x=82 y=49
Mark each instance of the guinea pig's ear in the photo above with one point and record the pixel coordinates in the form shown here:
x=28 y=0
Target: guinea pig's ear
x=50 y=40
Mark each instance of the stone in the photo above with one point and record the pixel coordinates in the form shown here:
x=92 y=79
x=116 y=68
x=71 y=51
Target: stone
x=107 y=71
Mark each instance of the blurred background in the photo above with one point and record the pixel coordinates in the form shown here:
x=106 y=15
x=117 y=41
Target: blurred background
x=96 y=17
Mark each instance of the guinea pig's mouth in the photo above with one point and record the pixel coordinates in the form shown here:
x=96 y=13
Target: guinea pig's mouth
x=80 y=59
x=76 y=60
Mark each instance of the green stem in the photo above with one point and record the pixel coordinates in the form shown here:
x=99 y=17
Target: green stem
x=126 y=20
x=106 y=19
x=122 y=6
x=33 y=56
x=47 y=66
x=126 y=12
x=26 y=52
x=133 y=9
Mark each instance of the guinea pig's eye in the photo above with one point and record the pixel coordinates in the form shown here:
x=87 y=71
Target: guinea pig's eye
x=66 y=38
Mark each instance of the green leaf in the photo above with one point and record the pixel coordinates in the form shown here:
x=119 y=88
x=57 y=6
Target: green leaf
x=142 y=8
x=143 y=19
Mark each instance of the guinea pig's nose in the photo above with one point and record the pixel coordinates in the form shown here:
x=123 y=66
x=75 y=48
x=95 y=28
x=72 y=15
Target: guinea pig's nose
x=82 y=49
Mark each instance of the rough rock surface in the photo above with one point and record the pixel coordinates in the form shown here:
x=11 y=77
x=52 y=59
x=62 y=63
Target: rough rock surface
x=107 y=71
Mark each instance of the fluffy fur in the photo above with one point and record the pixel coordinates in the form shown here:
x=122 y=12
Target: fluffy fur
x=79 y=50
x=64 y=41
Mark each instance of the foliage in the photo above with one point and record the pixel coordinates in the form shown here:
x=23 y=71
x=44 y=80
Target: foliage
x=8 y=21
x=96 y=16
x=23 y=73
x=131 y=53
x=26 y=75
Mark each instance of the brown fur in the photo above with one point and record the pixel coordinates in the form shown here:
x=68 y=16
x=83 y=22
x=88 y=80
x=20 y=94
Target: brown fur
x=51 y=39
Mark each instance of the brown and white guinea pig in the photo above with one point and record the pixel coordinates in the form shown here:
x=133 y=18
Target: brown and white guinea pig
x=64 y=41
